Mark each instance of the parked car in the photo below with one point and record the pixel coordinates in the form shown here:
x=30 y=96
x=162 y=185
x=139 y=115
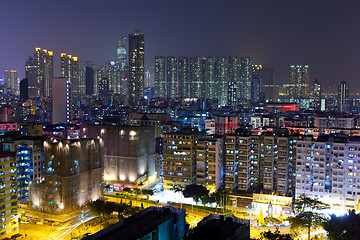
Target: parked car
x=39 y=223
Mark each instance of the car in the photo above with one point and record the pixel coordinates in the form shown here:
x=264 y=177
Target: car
x=55 y=224
x=24 y=222
x=39 y=223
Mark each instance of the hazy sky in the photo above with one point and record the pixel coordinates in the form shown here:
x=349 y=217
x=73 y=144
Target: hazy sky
x=322 y=34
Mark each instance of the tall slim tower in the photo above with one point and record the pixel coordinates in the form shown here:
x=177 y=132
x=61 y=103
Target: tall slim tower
x=316 y=94
x=160 y=87
x=343 y=97
x=257 y=78
x=69 y=69
x=234 y=77
x=171 y=77
x=121 y=52
x=196 y=84
x=222 y=75
x=299 y=81
x=39 y=69
x=136 y=67
x=184 y=78
x=245 y=78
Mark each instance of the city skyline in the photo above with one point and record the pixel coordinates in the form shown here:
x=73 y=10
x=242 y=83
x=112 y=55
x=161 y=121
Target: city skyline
x=314 y=33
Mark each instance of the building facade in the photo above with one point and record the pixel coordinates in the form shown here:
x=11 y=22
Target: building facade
x=136 y=82
x=73 y=175
x=9 y=202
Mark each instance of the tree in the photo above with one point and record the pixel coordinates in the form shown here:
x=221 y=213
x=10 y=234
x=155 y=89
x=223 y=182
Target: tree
x=147 y=192
x=222 y=197
x=137 y=192
x=306 y=218
x=195 y=191
x=343 y=227
x=127 y=190
x=275 y=235
x=207 y=199
x=304 y=203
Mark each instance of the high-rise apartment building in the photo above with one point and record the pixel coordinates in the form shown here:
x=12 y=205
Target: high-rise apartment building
x=179 y=158
x=245 y=78
x=121 y=52
x=184 y=77
x=69 y=69
x=172 y=90
x=9 y=202
x=196 y=84
x=343 y=97
x=160 y=78
x=299 y=81
x=29 y=162
x=209 y=162
x=209 y=77
x=256 y=81
x=328 y=169
x=222 y=76
x=234 y=78
x=316 y=94
x=270 y=85
x=241 y=163
x=136 y=67
x=11 y=81
x=39 y=70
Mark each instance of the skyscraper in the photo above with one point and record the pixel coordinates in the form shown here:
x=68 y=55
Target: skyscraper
x=121 y=52
x=171 y=77
x=196 y=84
x=270 y=86
x=69 y=69
x=221 y=66
x=299 y=81
x=11 y=80
x=184 y=78
x=209 y=77
x=343 y=97
x=39 y=69
x=160 y=87
x=245 y=78
x=122 y=66
x=316 y=94
x=257 y=78
x=136 y=67
x=234 y=77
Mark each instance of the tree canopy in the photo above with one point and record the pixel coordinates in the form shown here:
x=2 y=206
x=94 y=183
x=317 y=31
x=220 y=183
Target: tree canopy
x=195 y=191
x=307 y=219
x=275 y=235
x=345 y=227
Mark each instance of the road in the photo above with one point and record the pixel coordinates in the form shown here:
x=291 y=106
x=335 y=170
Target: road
x=44 y=232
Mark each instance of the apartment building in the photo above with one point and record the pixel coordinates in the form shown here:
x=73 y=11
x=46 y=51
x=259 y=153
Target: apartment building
x=329 y=169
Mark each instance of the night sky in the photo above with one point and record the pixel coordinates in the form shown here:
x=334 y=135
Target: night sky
x=322 y=34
